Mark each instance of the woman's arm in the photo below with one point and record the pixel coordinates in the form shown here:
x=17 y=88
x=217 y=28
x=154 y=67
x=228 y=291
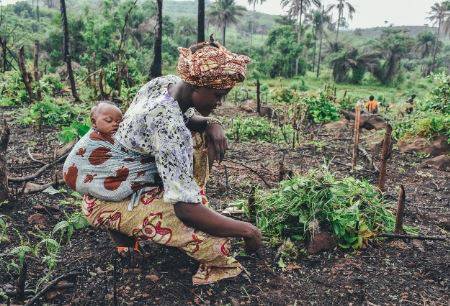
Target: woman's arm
x=201 y=217
x=215 y=136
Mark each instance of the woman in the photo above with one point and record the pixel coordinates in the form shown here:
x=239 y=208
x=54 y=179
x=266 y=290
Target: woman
x=159 y=124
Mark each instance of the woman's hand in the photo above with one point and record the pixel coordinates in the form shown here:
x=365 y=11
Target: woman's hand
x=216 y=141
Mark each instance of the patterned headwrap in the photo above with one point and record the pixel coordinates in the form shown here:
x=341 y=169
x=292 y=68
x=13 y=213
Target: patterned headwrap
x=211 y=65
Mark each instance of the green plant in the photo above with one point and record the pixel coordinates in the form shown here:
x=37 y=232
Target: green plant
x=320 y=108
x=260 y=129
x=74 y=130
x=352 y=210
x=51 y=112
x=51 y=249
x=75 y=221
x=285 y=95
x=3 y=229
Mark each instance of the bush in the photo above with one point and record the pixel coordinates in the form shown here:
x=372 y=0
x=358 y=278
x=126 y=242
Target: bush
x=258 y=129
x=320 y=109
x=285 y=95
x=352 y=210
x=51 y=112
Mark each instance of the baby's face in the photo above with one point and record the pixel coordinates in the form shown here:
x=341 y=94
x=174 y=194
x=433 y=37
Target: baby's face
x=106 y=119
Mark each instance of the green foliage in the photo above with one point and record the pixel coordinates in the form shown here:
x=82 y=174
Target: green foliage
x=285 y=95
x=75 y=221
x=258 y=129
x=320 y=108
x=352 y=210
x=439 y=99
x=3 y=229
x=51 y=112
x=75 y=130
x=12 y=90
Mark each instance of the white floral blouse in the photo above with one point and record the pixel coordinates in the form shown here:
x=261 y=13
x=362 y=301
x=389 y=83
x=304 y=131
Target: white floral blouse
x=153 y=124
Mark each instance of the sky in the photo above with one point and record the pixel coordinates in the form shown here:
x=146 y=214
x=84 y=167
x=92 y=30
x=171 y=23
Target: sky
x=370 y=13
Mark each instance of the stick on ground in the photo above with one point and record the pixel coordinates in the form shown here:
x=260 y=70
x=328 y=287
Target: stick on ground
x=400 y=210
x=385 y=155
x=356 y=135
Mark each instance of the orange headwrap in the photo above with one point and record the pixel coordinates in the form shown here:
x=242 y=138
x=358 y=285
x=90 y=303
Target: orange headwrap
x=211 y=66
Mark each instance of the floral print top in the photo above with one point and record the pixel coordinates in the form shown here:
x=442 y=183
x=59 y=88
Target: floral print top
x=154 y=125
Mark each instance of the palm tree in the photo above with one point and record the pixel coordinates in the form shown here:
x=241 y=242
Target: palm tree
x=424 y=44
x=349 y=60
x=439 y=15
x=156 y=67
x=201 y=21
x=324 y=19
x=317 y=20
x=340 y=6
x=296 y=9
x=223 y=13
x=252 y=22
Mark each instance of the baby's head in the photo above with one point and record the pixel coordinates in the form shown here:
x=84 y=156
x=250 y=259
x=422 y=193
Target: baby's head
x=106 y=117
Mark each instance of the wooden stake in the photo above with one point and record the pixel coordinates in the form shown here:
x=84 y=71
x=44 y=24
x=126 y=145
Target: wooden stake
x=385 y=155
x=258 y=97
x=400 y=211
x=226 y=177
x=36 y=69
x=356 y=135
x=251 y=205
x=25 y=75
x=4 y=140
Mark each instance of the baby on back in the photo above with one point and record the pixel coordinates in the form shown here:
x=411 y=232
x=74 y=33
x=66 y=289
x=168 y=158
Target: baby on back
x=101 y=167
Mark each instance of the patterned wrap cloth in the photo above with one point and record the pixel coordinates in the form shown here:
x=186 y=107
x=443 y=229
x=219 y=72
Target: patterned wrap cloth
x=98 y=165
x=212 y=67
x=154 y=220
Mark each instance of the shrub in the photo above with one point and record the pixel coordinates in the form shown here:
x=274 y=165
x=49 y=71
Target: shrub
x=320 y=108
x=51 y=112
x=258 y=129
x=352 y=210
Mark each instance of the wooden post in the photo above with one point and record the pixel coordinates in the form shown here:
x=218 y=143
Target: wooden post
x=201 y=21
x=4 y=51
x=156 y=67
x=356 y=135
x=4 y=140
x=251 y=205
x=400 y=211
x=258 y=97
x=226 y=177
x=36 y=69
x=25 y=75
x=385 y=155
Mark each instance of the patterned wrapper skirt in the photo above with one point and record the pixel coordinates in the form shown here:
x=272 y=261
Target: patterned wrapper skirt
x=155 y=220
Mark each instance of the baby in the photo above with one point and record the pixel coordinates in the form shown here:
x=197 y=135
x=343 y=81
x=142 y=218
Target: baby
x=101 y=167
x=105 y=118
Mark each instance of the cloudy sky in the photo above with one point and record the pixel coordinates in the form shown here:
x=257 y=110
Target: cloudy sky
x=371 y=13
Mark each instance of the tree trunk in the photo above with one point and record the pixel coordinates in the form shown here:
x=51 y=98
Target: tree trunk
x=36 y=73
x=67 y=57
x=156 y=68
x=436 y=40
x=338 y=24
x=252 y=23
x=319 y=56
x=299 y=31
x=26 y=78
x=37 y=11
x=201 y=21
x=4 y=51
x=315 y=48
x=4 y=139
x=224 y=30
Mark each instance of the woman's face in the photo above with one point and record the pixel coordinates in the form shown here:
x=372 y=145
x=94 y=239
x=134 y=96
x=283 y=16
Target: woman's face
x=205 y=100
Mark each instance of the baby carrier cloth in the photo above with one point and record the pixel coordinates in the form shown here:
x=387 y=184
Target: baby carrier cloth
x=101 y=167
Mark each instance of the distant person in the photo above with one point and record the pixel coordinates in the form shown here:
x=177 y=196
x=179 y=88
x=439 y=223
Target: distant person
x=372 y=105
x=410 y=106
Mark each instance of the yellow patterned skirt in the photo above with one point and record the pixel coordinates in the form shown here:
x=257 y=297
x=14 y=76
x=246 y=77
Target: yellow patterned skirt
x=155 y=220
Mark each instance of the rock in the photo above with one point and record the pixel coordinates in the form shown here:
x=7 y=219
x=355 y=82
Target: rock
x=441 y=162
x=38 y=219
x=368 y=121
x=249 y=106
x=321 y=241
x=436 y=147
x=152 y=277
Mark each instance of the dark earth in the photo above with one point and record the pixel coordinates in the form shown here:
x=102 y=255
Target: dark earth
x=387 y=271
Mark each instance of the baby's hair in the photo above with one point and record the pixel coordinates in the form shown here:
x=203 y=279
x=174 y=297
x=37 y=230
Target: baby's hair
x=95 y=107
x=371 y=98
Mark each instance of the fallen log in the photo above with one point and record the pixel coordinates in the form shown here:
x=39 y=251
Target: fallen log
x=37 y=173
x=50 y=286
